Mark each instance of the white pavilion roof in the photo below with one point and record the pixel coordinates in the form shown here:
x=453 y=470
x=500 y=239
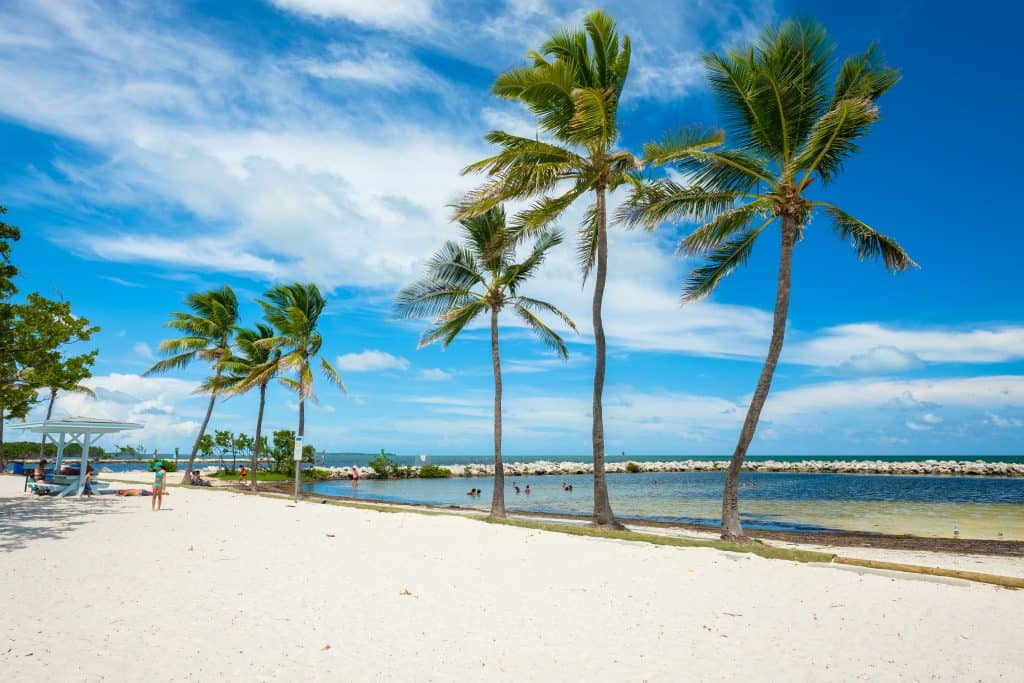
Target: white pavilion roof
x=77 y=425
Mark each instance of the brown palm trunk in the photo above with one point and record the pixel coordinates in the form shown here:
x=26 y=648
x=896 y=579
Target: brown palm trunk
x=603 y=515
x=259 y=431
x=498 y=499
x=49 y=412
x=199 y=437
x=731 y=528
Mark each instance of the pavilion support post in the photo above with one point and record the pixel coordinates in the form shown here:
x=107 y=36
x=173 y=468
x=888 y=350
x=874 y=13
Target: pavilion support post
x=60 y=453
x=84 y=463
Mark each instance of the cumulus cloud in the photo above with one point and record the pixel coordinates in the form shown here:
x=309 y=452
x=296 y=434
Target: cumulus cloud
x=845 y=343
x=434 y=375
x=168 y=408
x=882 y=359
x=371 y=360
x=143 y=350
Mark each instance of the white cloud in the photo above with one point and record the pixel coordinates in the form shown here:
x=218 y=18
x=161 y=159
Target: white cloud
x=377 y=68
x=168 y=408
x=931 y=418
x=916 y=427
x=882 y=359
x=970 y=392
x=434 y=375
x=388 y=14
x=119 y=281
x=371 y=360
x=143 y=350
x=1004 y=422
x=844 y=343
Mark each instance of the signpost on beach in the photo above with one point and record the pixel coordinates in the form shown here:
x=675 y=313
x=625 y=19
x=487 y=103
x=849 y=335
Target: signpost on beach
x=298 y=466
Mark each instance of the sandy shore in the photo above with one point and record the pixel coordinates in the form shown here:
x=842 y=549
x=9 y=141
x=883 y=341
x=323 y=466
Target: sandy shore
x=227 y=586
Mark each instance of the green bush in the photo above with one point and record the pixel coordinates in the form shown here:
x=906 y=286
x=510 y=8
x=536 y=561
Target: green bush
x=382 y=466
x=632 y=467
x=317 y=473
x=434 y=472
x=169 y=465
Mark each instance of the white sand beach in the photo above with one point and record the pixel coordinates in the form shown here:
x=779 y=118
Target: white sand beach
x=228 y=586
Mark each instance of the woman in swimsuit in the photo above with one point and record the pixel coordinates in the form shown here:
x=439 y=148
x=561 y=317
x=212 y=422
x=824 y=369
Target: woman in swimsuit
x=159 y=483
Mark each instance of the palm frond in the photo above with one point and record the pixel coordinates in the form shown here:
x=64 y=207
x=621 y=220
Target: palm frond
x=538 y=305
x=654 y=202
x=544 y=333
x=868 y=242
x=723 y=260
x=833 y=139
x=449 y=325
x=332 y=374
x=722 y=227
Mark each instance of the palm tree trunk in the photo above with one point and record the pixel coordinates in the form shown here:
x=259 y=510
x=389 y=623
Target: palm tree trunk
x=259 y=431
x=49 y=412
x=3 y=460
x=603 y=515
x=498 y=499
x=199 y=437
x=731 y=528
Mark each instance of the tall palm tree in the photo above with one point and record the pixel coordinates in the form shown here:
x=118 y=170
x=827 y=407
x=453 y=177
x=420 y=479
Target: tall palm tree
x=791 y=127
x=207 y=333
x=254 y=364
x=63 y=374
x=294 y=310
x=572 y=85
x=480 y=275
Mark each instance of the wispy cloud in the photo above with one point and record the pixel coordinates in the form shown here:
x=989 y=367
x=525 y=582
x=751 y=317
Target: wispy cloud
x=371 y=360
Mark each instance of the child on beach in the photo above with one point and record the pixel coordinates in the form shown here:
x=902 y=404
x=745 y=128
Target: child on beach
x=526 y=490
x=159 y=483
x=87 y=483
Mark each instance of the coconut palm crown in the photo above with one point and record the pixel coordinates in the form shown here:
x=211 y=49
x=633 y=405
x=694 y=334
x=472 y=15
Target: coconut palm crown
x=790 y=127
x=207 y=331
x=572 y=85
x=253 y=365
x=464 y=280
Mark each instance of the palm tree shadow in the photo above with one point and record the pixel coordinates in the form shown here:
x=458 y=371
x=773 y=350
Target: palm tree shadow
x=29 y=518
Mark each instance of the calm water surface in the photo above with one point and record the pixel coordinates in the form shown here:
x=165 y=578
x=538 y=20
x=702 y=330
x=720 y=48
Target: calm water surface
x=980 y=507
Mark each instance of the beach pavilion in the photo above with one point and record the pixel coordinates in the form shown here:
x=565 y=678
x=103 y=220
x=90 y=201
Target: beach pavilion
x=85 y=431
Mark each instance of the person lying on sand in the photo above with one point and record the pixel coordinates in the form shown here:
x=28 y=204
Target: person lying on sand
x=133 y=492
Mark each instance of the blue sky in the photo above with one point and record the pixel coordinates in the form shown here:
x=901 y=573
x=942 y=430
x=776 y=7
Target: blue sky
x=150 y=153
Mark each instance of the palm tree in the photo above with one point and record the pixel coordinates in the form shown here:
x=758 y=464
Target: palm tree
x=572 y=86
x=207 y=333
x=254 y=364
x=63 y=374
x=294 y=310
x=791 y=127
x=480 y=275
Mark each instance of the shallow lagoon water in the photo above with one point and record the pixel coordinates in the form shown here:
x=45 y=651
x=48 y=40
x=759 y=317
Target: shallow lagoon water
x=980 y=507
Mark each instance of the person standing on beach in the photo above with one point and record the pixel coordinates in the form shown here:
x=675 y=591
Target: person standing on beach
x=159 y=483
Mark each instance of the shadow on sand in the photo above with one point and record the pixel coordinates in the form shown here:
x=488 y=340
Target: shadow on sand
x=25 y=518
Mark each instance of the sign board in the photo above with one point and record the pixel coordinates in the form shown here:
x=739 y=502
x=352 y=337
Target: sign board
x=298 y=449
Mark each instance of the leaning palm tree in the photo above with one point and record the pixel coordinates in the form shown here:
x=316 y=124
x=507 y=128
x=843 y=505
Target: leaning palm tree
x=572 y=85
x=62 y=374
x=207 y=333
x=791 y=127
x=294 y=310
x=253 y=365
x=480 y=275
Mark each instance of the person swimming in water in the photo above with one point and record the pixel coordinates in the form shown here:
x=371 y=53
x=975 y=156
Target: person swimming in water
x=527 y=489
